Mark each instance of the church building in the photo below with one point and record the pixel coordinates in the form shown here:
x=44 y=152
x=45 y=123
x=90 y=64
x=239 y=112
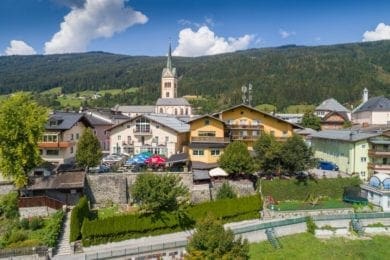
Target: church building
x=169 y=103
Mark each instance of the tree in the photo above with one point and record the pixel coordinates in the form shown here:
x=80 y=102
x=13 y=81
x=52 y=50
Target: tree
x=156 y=193
x=268 y=153
x=21 y=126
x=236 y=159
x=268 y=108
x=296 y=155
x=88 y=152
x=226 y=192
x=212 y=241
x=311 y=121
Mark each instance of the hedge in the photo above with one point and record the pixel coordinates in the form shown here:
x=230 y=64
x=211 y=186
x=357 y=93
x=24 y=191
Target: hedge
x=295 y=190
x=123 y=227
x=79 y=213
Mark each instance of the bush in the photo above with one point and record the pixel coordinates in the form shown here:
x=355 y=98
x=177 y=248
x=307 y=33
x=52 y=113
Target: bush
x=311 y=225
x=79 y=213
x=122 y=227
x=226 y=192
x=9 y=205
x=36 y=223
x=53 y=229
x=295 y=190
x=25 y=224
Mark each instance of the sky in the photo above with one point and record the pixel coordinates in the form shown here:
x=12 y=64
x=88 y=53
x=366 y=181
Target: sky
x=193 y=27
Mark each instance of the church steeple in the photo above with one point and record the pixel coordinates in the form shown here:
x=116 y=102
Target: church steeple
x=169 y=60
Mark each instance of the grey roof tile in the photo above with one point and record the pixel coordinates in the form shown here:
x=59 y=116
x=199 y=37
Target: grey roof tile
x=380 y=103
x=172 y=102
x=332 y=104
x=344 y=135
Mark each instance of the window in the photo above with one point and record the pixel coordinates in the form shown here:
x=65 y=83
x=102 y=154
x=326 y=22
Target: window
x=52 y=152
x=51 y=138
x=167 y=94
x=284 y=132
x=363 y=159
x=129 y=139
x=119 y=137
x=206 y=122
x=363 y=173
x=198 y=152
x=78 y=135
x=186 y=111
x=256 y=122
x=166 y=139
x=71 y=149
x=128 y=126
x=161 y=110
x=142 y=125
x=175 y=111
x=155 y=140
x=71 y=137
x=215 y=152
x=255 y=133
x=181 y=111
x=242 y=121
x=206 y=133
x=363 y=146
x=167 y=84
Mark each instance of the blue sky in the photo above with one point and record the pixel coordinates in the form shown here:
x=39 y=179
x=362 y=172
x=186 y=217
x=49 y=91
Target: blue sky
x=195 y=27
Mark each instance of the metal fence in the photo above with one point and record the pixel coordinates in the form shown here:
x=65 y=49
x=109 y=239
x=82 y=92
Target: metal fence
x=9 y=253
x=242 y=230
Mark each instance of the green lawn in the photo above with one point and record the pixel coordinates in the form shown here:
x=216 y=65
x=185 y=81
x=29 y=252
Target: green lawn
x=306 y=246
x=301 y=205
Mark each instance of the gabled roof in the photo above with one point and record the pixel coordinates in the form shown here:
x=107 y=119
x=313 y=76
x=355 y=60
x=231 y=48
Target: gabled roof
x=172 y=102
x=65 y=120
x=380 y=103
x=165 y=120
x=343 y=115
x=261 y=112
x=331 y=104
x=95 y=121
x=344 y=135
x=67 y=180
x=205 y=116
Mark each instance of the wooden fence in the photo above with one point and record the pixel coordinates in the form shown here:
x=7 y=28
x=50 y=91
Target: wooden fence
x=40 y=201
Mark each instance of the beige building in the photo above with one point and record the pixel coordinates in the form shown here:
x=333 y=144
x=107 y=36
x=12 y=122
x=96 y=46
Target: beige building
x=375 y=111
x=62 y=133
x=158 y=134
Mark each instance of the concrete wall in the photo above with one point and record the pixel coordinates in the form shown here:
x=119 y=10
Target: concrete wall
x=271 y=214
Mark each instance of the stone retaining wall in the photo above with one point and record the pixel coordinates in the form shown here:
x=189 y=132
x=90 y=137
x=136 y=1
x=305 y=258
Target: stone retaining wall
x=273 y=214
x=29 y=212
x=6 y=187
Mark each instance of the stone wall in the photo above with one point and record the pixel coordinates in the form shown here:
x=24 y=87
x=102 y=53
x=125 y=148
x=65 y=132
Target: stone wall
x=241 y=187
x=29 y=212
x=6 y=187
x=272 y=214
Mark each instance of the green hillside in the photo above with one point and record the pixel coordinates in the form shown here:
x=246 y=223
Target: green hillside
x=281 y=76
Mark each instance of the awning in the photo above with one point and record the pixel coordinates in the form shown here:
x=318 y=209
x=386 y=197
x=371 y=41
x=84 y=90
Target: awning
x=200 y=175
x=179 y=157
x=203 y=166
x=218 y=172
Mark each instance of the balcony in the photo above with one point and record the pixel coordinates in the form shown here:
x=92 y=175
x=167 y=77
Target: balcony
x=128 y=143
x=245 y=137
x=379 y=167
x=60 y=144
x=245 y=126
x=142 y=132
x=209 y=139
x=378 y=153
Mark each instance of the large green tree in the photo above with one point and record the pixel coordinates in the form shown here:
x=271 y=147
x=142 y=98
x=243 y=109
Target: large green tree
x=159 y=192
x=21 y=126
x=89 y=152
x=296 y=155
x=310 y=120
x=268 y=153
x=212 y=241
x=236 y=159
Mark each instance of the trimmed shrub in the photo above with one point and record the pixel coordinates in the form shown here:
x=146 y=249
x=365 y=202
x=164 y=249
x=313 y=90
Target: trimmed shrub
x=296 y=190
x=79 y=213
x=226 y=192
x=53 y=229
x=123 y=227
x=311 y=225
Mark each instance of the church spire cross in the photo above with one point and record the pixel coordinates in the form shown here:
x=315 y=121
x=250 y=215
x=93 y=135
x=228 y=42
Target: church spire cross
x=169 y=60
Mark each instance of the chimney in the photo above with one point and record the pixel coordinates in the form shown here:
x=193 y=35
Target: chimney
x=365 y=95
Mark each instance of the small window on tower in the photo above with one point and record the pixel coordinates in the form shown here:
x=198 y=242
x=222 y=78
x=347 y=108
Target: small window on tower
x=167 y=94
x=167 y=84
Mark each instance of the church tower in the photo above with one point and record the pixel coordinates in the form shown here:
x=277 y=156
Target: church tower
x=169 y=79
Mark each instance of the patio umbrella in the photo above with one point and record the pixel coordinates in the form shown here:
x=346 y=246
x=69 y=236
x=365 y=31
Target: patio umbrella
x=156 y=160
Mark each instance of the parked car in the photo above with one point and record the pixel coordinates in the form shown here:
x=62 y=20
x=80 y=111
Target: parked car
x=324 y=165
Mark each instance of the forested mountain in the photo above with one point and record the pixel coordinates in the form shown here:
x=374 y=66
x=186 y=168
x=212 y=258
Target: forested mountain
x=280 y=76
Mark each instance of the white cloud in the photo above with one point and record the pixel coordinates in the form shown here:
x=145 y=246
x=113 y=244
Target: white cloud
x=382 y=32
x=285 y=34
x=205 y=42
x=95 y=19
x=19 y=48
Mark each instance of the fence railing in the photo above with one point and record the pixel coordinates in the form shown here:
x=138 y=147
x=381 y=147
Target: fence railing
x=242 y=230
x=9 y=253
x=40 y=201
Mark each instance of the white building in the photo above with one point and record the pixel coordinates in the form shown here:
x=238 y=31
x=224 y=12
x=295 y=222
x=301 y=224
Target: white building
x=158 y=134
x=378 y=190
x=62 y=133
x=375 y=111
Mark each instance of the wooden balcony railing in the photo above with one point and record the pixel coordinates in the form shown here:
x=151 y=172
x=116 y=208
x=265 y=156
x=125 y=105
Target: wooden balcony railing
x=245 y=137
x=142 y=132
x=245 y=126
x=377 y=166
x=61 y=144
x=209 y=139
x=378 y=153
x=40 y=201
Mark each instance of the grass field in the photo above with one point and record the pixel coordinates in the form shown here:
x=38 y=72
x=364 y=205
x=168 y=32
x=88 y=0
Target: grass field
x=300 y=205
x=306 y=246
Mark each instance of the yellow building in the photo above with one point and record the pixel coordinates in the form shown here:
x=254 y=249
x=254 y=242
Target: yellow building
x=207 y=141
x=246 y=124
